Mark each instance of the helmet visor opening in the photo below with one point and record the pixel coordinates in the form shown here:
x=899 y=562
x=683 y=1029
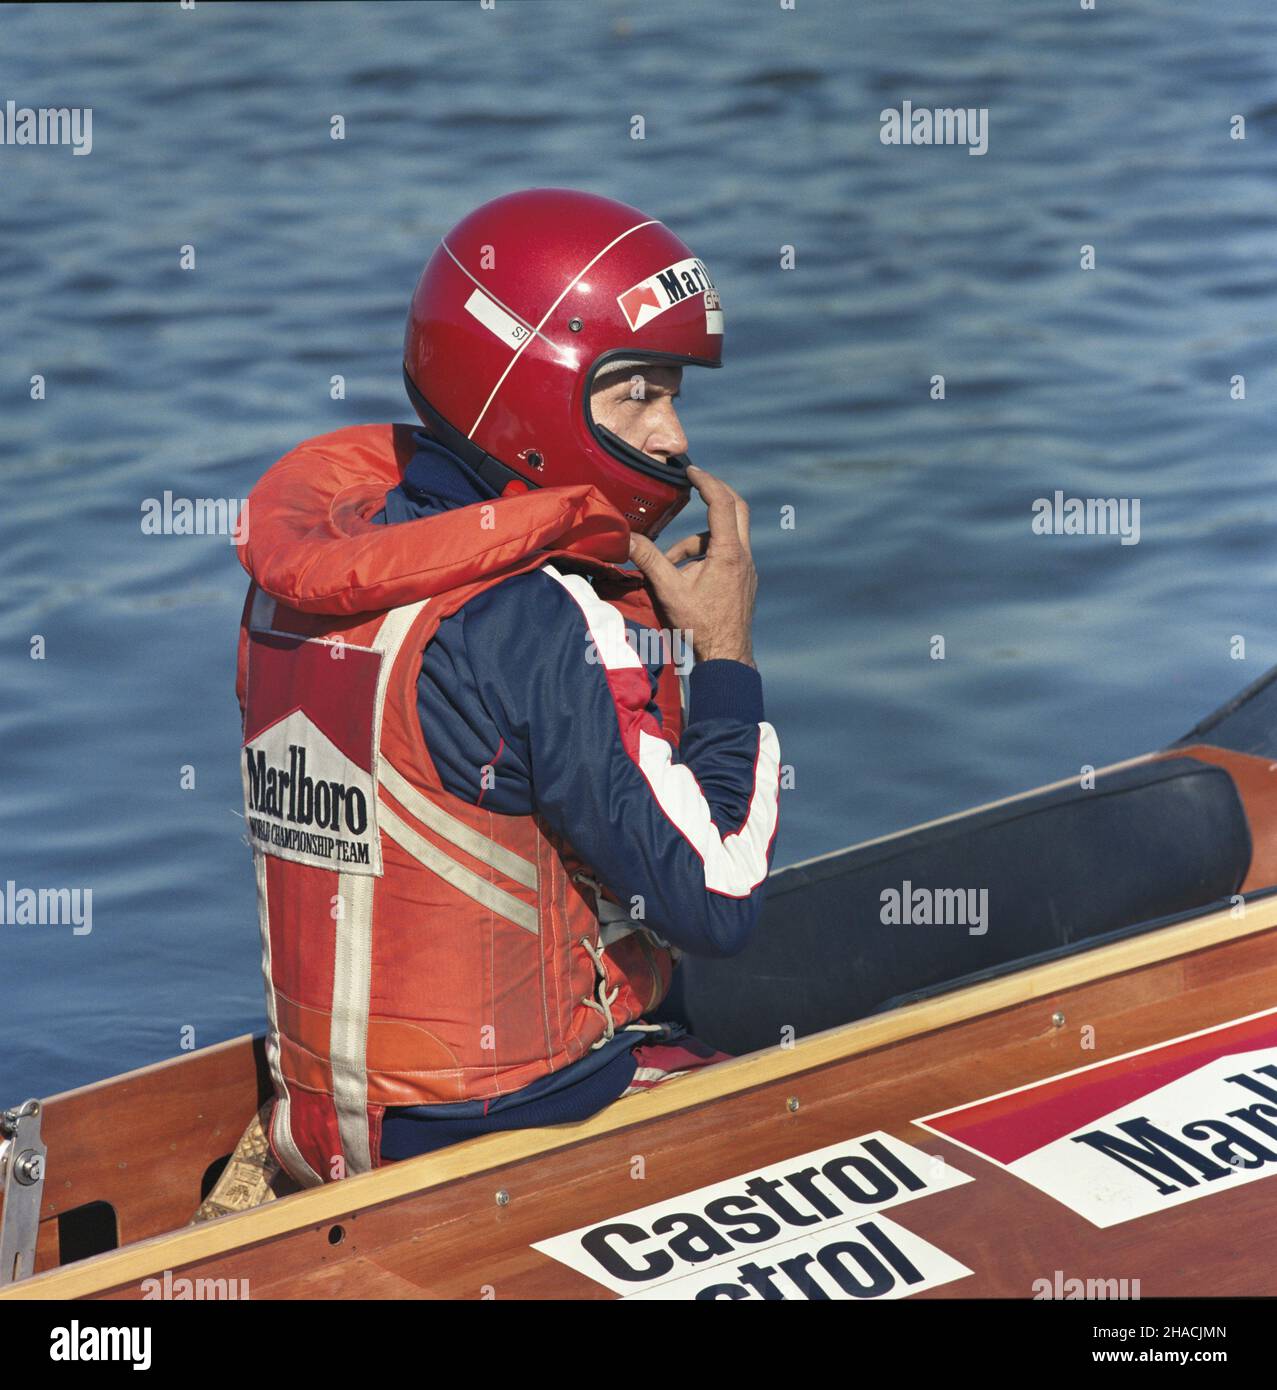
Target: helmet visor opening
x=672 y=470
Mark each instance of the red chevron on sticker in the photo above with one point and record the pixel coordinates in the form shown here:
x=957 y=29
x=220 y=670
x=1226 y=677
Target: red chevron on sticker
x=634 y=301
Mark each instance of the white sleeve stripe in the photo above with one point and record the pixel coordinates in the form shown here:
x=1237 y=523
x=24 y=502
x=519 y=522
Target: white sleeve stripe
x=734 y=866
x=607 y=627
x=737 y=865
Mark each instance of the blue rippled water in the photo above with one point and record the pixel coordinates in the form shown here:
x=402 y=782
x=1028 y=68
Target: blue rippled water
x=211 y=128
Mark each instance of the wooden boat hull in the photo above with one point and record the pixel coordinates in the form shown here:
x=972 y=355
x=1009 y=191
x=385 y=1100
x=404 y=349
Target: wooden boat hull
x=467 y=1222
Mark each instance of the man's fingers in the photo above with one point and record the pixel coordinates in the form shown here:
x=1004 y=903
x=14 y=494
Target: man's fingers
x=659 y=570
x=742 y=521
x=741 y=507
x=720 y=501
x=689 y=548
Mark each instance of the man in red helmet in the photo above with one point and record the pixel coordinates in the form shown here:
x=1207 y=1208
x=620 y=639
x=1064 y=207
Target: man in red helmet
x=482 y=830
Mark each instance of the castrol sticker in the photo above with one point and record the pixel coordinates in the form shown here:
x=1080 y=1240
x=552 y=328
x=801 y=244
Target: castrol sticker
x=1141 y=1133
x=641 y=303
x=310 y=791
x=809 y=1227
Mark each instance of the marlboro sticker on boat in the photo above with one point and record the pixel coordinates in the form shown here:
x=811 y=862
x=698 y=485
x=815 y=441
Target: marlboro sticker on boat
x=1153 y=1129
x=809 y=1227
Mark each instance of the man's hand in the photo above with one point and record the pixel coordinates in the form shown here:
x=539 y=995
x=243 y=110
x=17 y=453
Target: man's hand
x=712 y=598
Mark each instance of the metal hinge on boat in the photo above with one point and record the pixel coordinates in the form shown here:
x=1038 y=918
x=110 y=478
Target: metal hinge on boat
x=22 y=1160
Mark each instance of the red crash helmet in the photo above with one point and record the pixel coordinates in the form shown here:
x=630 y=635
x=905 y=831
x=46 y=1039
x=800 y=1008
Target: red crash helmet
x=525 y=302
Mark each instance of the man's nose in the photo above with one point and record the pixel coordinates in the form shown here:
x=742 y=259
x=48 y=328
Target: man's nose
x=666 y=437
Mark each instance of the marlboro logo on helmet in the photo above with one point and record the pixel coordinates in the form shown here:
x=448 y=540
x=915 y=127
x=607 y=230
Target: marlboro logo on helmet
x=524 y=303
x=666 y=288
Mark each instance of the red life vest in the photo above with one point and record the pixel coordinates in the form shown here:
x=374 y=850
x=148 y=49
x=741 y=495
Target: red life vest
x=416 y=947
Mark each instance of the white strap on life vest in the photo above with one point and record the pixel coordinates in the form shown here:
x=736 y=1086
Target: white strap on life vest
x=447 y=827
x=464 y=880
x=348 y=1033
x=352 y=954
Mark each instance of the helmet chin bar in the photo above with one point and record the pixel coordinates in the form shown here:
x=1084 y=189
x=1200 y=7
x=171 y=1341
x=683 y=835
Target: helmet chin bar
x=673 y=470
x=492 y=471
